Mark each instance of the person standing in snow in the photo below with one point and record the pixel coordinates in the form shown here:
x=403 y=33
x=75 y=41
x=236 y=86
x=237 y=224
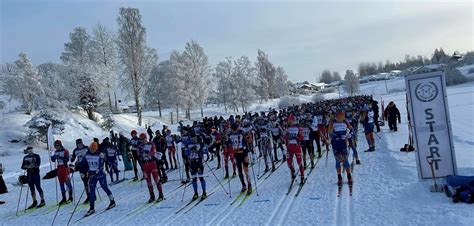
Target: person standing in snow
x=391 y=114
x=94 y=161
x=293 y=137
x=338 y=130
x=124 y=149
x=61 y=158
x=31 y=163
x=195 y=153
x=79 y=152
x=148 y=155
x=150 y=133
x=237 y=141
x=367 y=119
x=133 y=154
x=112 y=158
x=375 y=109
x=3 y=187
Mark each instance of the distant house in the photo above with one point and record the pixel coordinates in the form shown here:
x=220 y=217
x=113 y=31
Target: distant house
x=394 y=73
x=428 y=68
x=307 y=87
x=467 y=71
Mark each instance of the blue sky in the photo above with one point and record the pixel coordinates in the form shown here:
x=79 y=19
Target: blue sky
x=302 y=37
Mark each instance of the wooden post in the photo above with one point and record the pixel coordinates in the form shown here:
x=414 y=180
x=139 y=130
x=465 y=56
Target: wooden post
x=171 y=117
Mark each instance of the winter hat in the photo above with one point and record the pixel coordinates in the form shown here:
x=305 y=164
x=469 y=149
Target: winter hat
x=79 y=141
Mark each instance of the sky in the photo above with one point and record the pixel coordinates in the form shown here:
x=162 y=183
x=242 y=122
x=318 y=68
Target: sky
x=304 y=37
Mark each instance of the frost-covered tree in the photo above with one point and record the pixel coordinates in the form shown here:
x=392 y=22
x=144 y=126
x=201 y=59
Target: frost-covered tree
x=137 y=58
x=161 y=89
x=265 y=76
x=197 y=66
x=336 y=76
x=103 y=53
x=351 y=83
x=38 y=125
x=242 y=79
x=57 y=86
x=21 y=82
x=282 y=85
x=76 y=51
x=223 y=75
x=326 y=77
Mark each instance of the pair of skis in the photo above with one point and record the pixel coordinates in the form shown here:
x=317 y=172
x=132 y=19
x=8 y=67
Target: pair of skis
x=88 y=215
x=192 y=203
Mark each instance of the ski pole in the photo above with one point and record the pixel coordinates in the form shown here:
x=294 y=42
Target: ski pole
x=184 y=191
x=254 y=179
x=98 y=194
x=19 y=198
x=73 y=187
x=75 y=207
x=27 y=190
x=216 y=178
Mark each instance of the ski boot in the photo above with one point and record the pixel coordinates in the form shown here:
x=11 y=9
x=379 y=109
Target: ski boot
x=86 y=201
x=312 y=164
x=234 y=174
x=70 y=197
x=33 y=205
x=218 y=166
x=111 y=204
x=90 y=212
x=302 y=181
x=249 y=189
x=358 y=162
x=63 y=201
x=284 y=159
x=244 y=188
x=305 y=165
x=273 y=167
x=196 y=196
x=266 y=169
x=204 y=195
x=152 y=197
x=135 y=178
x=226 y=173
x=42 y=203
x=161 y=197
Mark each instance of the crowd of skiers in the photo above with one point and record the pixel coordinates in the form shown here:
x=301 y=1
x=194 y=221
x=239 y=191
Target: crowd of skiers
x=302 y=132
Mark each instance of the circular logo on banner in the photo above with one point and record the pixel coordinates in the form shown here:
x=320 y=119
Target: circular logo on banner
x=426 y=92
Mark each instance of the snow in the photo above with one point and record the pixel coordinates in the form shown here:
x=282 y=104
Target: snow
x=386 y=187
x=465 y=71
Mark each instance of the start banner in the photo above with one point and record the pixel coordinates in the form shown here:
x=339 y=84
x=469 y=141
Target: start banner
x=429 y=113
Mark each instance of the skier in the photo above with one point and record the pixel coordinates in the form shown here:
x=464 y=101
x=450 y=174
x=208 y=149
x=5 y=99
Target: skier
x=185 y=141
x=162 y=164
x=215 y=147
x=170 y=145
x=367 y=119
x=314 y=135
x=238 y=144
x=352 y=135
x=133 y=154
x=228 y=152
x=124 y=149
x=391 y=114
x=3 y=187
x=112 y=156
x=195 y=153
x=294 y=136
x=307 y=143
x=375 y=109
x=338 y=134
x=94 y=161
x=31 y=163
x=79 y=152
x=148 y=155
x=276 y=131
x=61 y=157
x=150 y=132
x=266 y=147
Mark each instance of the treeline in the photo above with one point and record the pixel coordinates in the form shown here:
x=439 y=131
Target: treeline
x=93 y=65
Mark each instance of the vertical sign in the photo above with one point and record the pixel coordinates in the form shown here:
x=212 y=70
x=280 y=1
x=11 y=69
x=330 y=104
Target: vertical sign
x=429 y=112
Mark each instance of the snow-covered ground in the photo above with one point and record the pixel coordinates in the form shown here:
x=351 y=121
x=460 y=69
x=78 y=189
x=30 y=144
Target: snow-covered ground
x=386 y=188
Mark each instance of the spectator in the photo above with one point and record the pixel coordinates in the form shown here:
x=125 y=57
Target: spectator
x=375 y=109
x=391 y=114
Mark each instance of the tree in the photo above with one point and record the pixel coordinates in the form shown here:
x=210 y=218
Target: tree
x=336 y=76
x=242 y=80
x=351 y=83
x=103 y=53
x=197 y=66
x=137 y=58
x=223 y=74
x=57 y=85
x=282 y=85
x=21 y=82
x=326 y=77
x=265 y=76
x=76 y=51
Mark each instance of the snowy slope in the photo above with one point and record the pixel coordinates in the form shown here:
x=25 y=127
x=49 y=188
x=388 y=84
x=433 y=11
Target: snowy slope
x=386 y=187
